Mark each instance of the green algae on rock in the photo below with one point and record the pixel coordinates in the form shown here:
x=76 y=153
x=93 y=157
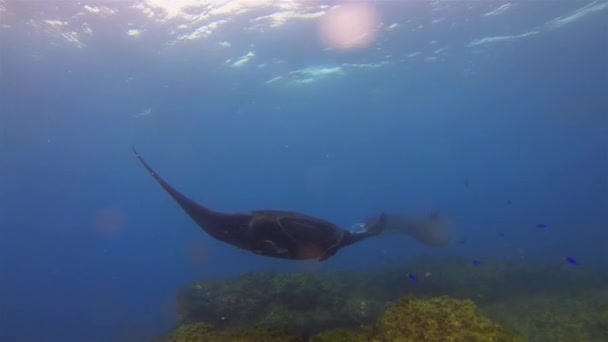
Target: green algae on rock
x=556 y=316
x=303 y=302
x=343 y=335
x=311 y=303
x=201 y=332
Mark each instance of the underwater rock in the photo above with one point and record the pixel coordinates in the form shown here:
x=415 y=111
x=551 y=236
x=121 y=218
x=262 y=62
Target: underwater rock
x=409 y=319
x=343 y=335
x=492 y=281
x=305 y=302
x=310 y=303
x=201 y=332
x=556 y=316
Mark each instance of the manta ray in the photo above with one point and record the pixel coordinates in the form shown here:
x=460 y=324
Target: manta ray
x=272 y=233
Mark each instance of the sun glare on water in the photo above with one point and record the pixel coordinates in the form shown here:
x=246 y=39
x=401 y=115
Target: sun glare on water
x=175 y=8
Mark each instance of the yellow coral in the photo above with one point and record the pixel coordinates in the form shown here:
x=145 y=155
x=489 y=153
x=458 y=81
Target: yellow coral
x=438 y=319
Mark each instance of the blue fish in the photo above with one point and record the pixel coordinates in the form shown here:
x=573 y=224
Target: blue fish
x=476 y=262
x=571 y=260
x=412 y=277
x=541 y=225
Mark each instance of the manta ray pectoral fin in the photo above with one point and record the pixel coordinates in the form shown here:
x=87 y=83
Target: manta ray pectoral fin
x=179 y=197
x=329 y=253
x=148 y=168
x=218 y=225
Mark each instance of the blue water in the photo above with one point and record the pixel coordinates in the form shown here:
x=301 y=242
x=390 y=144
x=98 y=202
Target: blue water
x=513 y=103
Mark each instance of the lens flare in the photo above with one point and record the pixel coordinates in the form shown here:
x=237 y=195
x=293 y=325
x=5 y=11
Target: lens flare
x=350 y=26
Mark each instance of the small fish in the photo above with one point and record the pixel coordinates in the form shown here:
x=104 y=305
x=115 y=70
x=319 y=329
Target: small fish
x=541 y=225
x=508 y=202
x=412 y=277
x=571 y=260
x=467 y=183
x=476 y=262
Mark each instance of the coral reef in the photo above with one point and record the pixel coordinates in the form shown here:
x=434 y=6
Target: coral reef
x=438 y=319
x=202 y=332
x=342 y=335
x=409 y=319
x=303 y=301
x=556 y=317
x=535 y=299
